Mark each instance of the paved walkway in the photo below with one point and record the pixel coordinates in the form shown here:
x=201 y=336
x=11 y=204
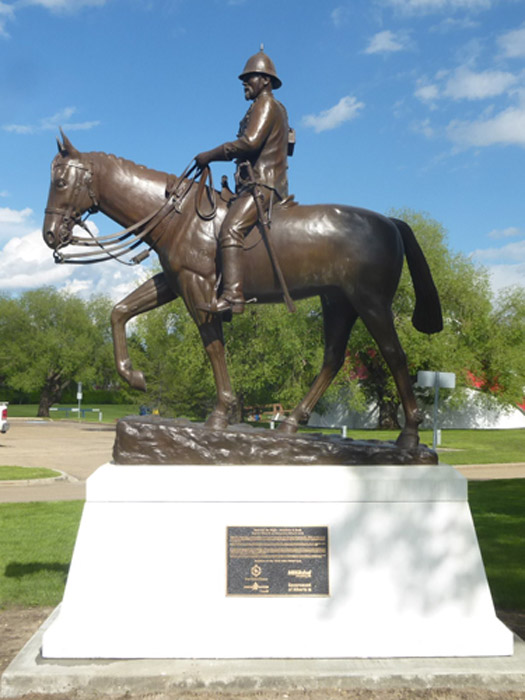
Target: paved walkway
x=77 y=449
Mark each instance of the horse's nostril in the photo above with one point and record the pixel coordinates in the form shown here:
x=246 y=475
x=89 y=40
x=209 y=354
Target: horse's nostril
x=49 y=238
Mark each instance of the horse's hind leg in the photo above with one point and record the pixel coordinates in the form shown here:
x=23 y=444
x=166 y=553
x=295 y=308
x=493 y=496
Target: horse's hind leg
x=153 y=293
x=338 y=316
x=378 y=319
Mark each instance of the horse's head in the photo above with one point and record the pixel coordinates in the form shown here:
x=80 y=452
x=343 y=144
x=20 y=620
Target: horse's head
x=70 y=194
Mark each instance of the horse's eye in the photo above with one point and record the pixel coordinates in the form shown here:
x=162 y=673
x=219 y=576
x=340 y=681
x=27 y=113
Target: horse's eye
x=60 y=183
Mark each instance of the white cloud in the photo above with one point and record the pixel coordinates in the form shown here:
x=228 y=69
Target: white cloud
x=512 y=253
x=450 y=24
x=466 y=84
x=52 y=123
x=502 y=276
x=6 y=13
x=513 y=43
x=506 y=128
x=427 y=93
x=26 y=263
x=429 y=6
x=386 y=42
x=13 y=216
x=506 y=265
x=15 y=222
x=66 y=5
x=346 y=109
x=339 y=16
x=425 y=128
x=510 y=232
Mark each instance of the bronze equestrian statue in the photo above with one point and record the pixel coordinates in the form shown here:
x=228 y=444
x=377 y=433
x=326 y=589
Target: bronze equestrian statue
x=260 y=151
x=351 y=258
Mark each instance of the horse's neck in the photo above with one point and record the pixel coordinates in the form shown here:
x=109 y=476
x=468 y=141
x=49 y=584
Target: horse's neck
x=127 y=192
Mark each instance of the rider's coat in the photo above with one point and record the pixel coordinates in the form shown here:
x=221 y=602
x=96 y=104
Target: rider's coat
x=263 y=140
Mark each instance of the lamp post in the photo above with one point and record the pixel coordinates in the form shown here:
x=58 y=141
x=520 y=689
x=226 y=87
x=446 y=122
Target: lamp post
x=439 y=380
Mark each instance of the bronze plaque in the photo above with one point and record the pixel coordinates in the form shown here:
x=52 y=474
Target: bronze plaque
x=290 y=561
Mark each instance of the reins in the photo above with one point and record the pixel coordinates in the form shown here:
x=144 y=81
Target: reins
x=115 y=246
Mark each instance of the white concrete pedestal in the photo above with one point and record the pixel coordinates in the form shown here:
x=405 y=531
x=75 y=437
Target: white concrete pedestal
x=148 y=575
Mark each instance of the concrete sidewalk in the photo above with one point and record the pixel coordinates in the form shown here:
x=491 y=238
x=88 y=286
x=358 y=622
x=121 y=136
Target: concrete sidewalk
x=73 y=448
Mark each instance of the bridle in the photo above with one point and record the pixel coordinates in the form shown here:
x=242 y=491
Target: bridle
x=71 y=214
x=117 y=245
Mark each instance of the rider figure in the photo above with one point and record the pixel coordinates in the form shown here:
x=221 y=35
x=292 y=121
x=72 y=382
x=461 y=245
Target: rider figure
x=262 y=143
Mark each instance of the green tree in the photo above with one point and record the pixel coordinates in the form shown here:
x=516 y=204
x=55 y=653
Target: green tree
x=49 y=339
x=165 y=344
x=272 y=356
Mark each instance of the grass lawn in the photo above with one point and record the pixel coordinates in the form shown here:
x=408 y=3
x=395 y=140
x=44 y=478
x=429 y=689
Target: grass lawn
x=462 y=446
x=23 y=473
x=36 y=543
x=110 y=412
x=499 y=516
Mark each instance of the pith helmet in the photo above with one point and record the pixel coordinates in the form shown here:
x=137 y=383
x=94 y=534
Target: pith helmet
x=261 y=63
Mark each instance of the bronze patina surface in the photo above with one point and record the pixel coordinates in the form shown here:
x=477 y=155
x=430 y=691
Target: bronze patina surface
x=154 y=440
x=350 y=257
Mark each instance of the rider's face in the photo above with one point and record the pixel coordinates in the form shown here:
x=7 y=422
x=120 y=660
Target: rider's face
x=253 y=84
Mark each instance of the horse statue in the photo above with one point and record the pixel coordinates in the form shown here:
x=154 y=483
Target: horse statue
x=350 y=257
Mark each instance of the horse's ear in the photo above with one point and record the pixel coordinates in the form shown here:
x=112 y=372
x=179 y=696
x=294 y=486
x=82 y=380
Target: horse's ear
x=65 y=148
x=61 y=148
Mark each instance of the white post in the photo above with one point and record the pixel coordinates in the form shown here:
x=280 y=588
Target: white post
x=79 y=397
x=436 y=402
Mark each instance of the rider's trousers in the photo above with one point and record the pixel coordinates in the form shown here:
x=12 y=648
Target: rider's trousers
x=241 y=217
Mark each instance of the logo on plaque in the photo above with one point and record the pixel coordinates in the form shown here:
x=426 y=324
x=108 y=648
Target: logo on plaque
x=256 y=570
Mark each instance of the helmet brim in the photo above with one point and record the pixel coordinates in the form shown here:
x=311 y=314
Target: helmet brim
x=276 y=82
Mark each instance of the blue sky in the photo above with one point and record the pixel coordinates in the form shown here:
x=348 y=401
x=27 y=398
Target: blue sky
x=396 y=103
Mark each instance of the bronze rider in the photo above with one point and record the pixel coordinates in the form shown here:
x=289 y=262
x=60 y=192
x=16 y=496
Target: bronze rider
x=262 y=140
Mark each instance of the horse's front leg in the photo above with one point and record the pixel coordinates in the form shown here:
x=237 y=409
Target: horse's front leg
x=196 y=290
x=150 y=295
x=225 y=410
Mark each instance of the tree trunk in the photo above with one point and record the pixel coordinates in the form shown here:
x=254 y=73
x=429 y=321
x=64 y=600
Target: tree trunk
x=388 y=411
x=45 y=404
x=51 y=393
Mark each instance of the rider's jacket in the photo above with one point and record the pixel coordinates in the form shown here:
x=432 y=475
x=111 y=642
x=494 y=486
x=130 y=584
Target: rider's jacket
x=263 y=140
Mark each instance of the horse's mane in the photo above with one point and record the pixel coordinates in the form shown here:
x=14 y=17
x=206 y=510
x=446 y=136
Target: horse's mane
x=127 y=165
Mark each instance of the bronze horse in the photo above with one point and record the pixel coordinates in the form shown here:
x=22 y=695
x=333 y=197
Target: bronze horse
x=352 y=258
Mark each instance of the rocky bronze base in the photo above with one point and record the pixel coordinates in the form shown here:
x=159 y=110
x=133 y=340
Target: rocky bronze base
x=153 y=440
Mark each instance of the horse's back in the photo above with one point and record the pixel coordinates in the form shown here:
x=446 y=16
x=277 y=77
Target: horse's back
x=326 y=245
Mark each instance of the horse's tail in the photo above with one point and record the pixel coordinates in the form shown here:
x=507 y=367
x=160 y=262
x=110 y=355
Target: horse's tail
x=427 y=316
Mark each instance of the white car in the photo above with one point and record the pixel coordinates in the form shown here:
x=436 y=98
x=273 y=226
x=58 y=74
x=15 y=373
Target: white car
x=4 y=425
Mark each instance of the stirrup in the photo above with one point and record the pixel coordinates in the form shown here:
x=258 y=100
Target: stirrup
x=224 y=305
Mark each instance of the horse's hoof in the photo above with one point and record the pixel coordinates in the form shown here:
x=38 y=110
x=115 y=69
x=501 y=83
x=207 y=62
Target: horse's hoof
x=136 y=380
x=288 y=427
x=407 y=441
x=216 y=422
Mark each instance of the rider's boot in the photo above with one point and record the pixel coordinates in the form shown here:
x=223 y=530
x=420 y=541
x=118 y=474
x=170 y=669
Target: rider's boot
x=232 y=297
